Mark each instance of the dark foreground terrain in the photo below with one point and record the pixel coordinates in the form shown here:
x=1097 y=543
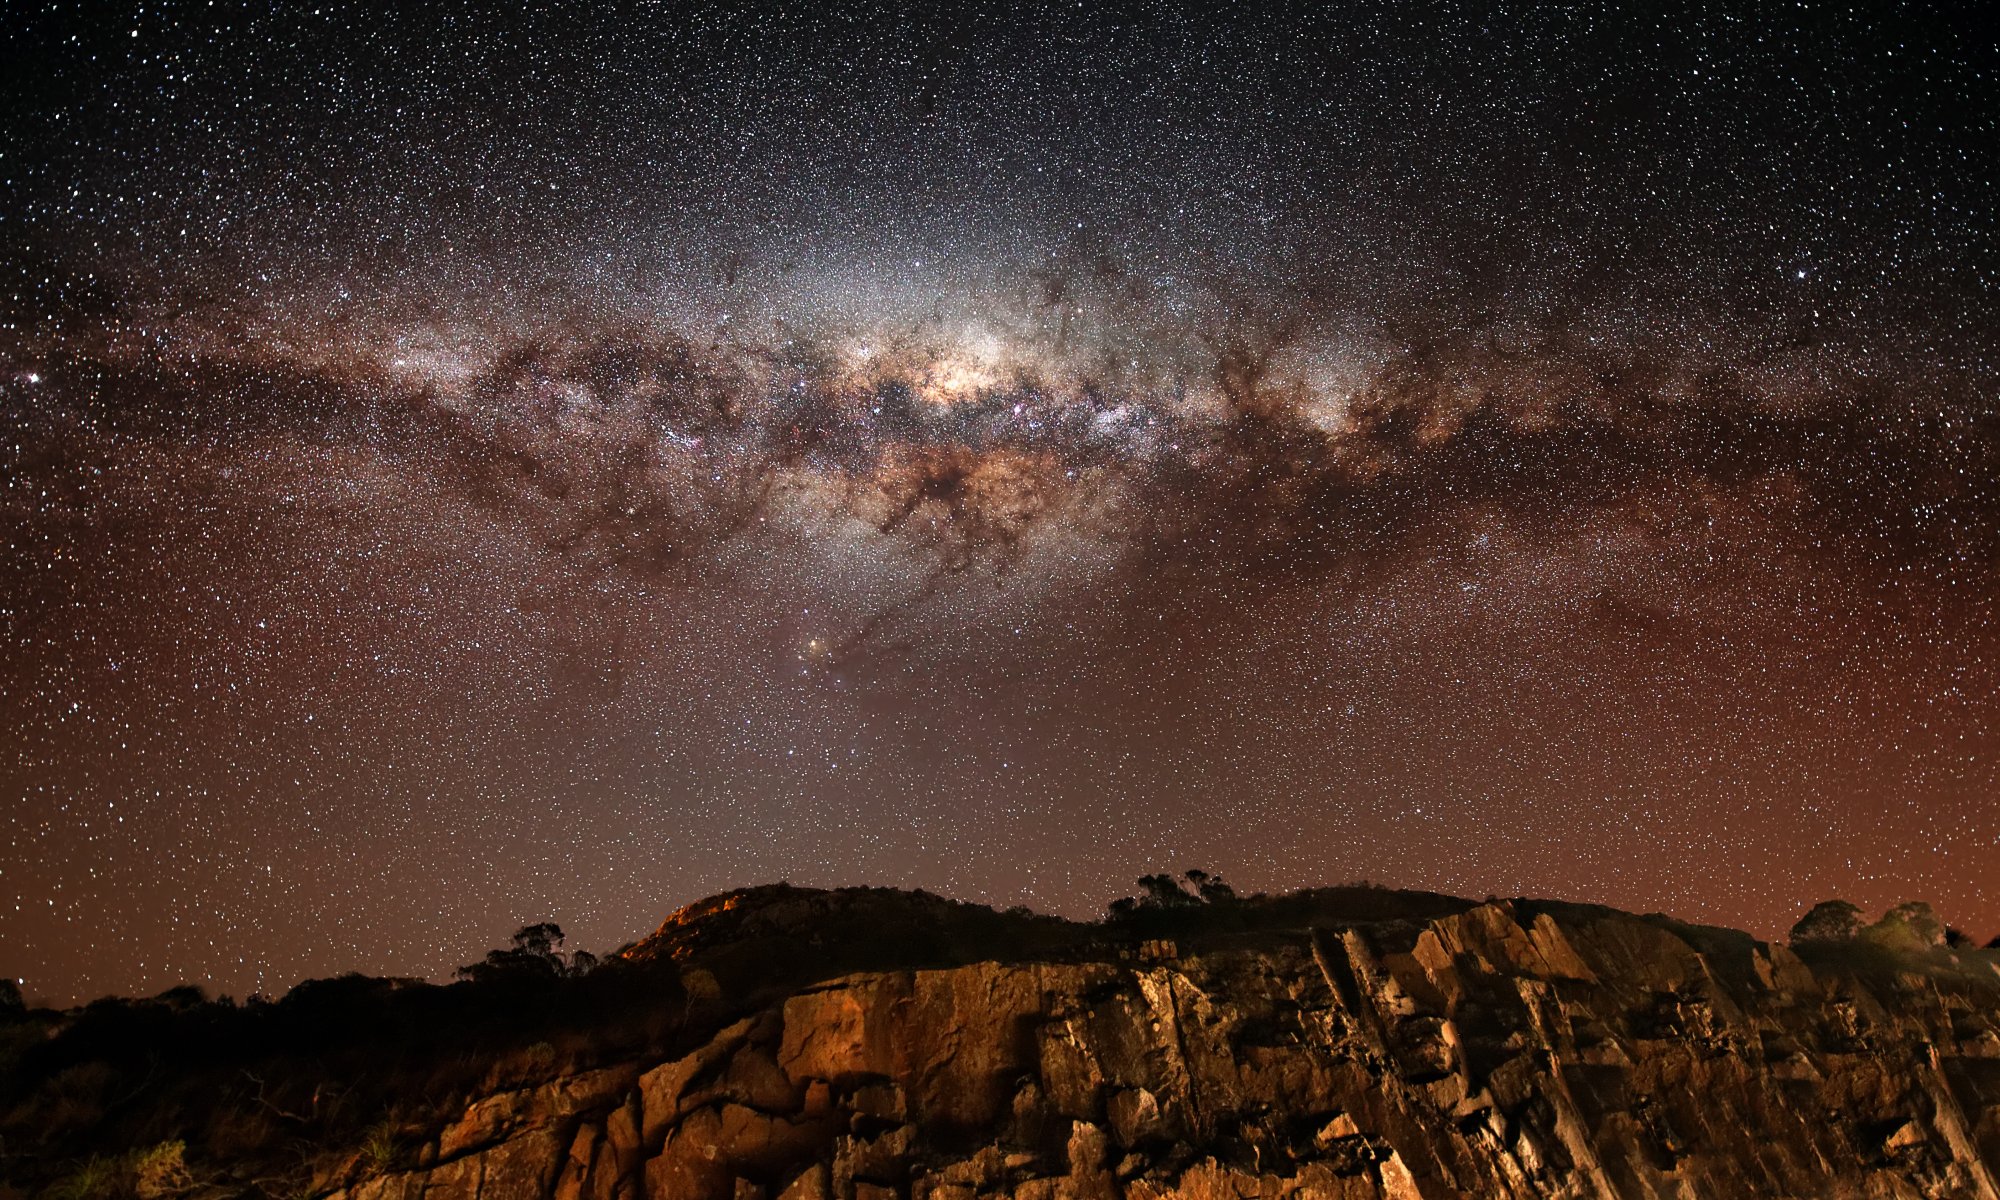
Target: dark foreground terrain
x=790 y=1043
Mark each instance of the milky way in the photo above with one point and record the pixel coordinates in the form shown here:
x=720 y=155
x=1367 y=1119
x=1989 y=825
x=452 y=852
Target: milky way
x=471 y=468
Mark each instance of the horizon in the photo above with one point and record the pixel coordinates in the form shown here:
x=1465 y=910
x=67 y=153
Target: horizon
x=452 y=975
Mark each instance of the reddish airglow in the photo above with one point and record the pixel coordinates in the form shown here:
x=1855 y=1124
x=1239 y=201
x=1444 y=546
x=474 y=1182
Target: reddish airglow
x=461 y=469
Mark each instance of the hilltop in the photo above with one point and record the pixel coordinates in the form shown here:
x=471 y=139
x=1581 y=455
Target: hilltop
x=793 y=1043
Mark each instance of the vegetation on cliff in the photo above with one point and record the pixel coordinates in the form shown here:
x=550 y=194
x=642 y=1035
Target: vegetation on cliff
x=180 y=1093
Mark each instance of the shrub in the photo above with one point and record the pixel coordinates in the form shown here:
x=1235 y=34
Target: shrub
x=1911 y=925
x=539 y=1056
x=160 y=1171
x=380 y=1144
x=1829 y=921
x=95 y=1178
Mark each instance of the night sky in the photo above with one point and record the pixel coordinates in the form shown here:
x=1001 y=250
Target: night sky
x=464 y=468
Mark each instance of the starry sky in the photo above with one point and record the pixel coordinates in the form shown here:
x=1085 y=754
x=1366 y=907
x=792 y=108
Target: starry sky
x=471 y=466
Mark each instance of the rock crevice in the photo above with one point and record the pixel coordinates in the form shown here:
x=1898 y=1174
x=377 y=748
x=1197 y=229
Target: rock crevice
x=1478 y=1054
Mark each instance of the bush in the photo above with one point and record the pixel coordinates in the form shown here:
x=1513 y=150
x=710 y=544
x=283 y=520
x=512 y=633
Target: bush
x=160 y=1171
x=153 y=1173
x=1910 y=925
x=541 y=1056
x=95 y=1178
x=1829 y=921
x=380 y=1144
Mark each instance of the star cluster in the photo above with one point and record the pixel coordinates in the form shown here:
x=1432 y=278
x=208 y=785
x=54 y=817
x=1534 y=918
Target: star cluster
x=464 y=466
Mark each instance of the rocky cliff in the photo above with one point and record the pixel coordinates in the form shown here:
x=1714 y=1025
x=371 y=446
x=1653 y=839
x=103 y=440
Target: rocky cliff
x=1489 y=1052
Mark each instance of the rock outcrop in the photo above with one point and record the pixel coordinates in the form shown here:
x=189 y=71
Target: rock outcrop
x=1501 y=1050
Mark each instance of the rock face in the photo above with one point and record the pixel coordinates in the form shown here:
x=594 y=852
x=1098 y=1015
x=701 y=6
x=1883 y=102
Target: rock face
x=1487 y=1053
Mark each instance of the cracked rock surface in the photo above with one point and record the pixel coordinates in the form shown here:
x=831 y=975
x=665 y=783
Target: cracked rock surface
x=1500 y=1050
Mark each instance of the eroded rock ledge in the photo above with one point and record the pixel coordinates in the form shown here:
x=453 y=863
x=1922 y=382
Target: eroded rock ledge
x=1481 y=1054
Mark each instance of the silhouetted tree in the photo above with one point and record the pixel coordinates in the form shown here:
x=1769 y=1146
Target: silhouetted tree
x=11 y=1004
x=1163 y=891
x=1958 y=939
x=1210 y=888
x=543 y=941
x=1829 y=921
x=182 y=998
x=536 y=954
